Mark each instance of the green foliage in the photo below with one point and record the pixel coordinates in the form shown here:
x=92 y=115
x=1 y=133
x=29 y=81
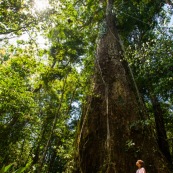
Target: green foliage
x=15 y=16
x=42 y=91
x=6 y=168
x=9 y=168
x=152 y=64
x=136 y=19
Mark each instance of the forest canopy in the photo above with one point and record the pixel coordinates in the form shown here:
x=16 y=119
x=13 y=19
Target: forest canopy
x=48 y=75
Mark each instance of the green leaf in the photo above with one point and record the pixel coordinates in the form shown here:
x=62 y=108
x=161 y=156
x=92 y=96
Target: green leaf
x=20 y=170
x=6 y=168
x=2 y=169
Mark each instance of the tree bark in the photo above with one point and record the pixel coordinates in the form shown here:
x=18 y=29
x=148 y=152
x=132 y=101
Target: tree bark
x=112 y=133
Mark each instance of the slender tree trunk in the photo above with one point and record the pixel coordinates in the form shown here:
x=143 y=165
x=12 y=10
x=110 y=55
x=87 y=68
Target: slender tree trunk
x=112 y=132
x=160 y=129
x=51 y=162
x=42 y=159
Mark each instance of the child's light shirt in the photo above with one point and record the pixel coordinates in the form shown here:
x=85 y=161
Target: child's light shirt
x=141 y=170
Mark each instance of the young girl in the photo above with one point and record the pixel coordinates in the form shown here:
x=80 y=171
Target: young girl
x=140 y=165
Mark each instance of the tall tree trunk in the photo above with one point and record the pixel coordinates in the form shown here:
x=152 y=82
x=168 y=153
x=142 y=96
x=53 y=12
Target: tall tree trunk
x=160 y=129
x=112 y=133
